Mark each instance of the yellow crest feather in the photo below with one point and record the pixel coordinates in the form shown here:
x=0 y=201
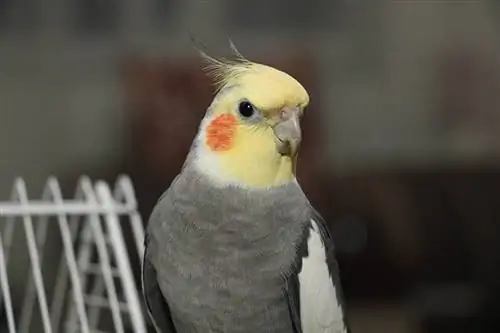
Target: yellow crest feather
x=225 y=70
x=268 y=89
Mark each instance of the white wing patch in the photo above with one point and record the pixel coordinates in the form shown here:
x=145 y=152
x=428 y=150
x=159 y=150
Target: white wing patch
x=320 y=310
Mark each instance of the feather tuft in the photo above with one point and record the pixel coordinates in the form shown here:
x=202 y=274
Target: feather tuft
x=224 y=71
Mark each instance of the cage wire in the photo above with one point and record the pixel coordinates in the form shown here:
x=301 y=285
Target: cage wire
x=79 y=275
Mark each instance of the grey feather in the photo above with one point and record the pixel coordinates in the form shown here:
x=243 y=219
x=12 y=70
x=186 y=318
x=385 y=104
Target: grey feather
x=222 y=256
x=158 y=309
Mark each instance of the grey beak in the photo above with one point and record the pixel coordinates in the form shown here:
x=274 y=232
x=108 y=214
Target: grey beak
x=288 y=133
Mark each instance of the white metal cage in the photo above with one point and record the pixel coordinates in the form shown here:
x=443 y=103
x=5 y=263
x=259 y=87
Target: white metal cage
x=92 y=287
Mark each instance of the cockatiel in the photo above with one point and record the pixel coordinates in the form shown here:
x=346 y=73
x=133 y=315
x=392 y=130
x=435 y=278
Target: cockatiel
x=233 y=245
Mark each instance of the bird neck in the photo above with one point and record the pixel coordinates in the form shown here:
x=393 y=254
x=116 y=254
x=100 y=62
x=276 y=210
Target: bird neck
x=253 y=167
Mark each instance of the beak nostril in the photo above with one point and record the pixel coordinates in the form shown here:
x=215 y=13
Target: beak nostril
x=287 y=113
x=283 y=114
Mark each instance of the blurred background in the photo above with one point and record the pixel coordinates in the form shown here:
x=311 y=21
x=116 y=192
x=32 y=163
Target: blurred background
x=402 y=137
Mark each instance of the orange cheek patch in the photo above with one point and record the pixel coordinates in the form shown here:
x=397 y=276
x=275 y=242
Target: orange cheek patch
x=220 y=132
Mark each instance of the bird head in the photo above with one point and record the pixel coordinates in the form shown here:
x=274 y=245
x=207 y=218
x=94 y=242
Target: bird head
x=251 y=132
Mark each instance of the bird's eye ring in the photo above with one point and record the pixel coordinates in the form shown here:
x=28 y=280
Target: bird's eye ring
x=246 y=109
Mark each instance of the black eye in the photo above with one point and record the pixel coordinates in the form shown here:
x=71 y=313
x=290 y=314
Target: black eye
x=246 y=109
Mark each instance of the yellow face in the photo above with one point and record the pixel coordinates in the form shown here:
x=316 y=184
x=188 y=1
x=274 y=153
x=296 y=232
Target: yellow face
x=251 y=133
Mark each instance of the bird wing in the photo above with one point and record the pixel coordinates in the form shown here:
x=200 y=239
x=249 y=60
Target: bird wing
x=156 y=305
x=315 y=296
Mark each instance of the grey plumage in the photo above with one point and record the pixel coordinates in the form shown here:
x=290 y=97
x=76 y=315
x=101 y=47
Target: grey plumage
x=222 y=255
x=226 y=260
